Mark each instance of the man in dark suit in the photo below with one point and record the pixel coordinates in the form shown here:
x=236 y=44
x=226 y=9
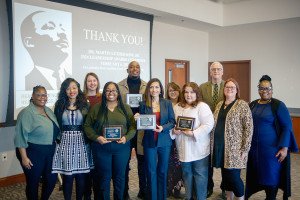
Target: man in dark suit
x=211 y=93
x=45 y=39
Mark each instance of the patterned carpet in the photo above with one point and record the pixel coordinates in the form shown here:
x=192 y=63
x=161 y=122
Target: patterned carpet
x=17 y=191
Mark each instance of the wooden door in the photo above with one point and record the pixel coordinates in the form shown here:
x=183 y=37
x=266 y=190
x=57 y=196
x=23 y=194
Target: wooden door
x=177 y=71
x=241 y=72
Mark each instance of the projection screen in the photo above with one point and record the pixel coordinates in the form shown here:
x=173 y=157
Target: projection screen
x=53 y=41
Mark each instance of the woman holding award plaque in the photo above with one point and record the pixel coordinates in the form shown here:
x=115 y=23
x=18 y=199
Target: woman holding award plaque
x=192 y=136
x=110 y=125
x=231 y=139
x=157 y=141
x=71 y=158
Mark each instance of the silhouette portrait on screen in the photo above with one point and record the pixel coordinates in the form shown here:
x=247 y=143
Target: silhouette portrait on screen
x=45 y=39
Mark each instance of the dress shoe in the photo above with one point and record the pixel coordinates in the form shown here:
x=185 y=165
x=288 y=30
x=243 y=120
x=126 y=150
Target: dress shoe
x=141 y=195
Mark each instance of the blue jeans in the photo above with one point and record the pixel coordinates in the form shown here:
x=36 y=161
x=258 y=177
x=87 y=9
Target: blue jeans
x=157 y=160
x=110 y=163
x=195 y=175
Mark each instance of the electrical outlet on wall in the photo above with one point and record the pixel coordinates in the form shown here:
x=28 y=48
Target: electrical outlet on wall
x=4 y=157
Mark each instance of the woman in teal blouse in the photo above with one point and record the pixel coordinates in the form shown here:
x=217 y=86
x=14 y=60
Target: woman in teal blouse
x=36 y=133
x=110 y=156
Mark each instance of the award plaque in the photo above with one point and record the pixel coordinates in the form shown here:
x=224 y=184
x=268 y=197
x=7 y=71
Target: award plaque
x=112 y=133
x=146 y=122
x=134 y=99
x=185 y=123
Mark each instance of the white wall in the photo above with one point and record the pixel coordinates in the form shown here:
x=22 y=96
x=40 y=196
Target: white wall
x=173 y=42
x=272 y=47
x=244 y=12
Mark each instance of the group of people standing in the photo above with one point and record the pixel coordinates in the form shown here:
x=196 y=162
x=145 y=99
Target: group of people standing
x=227 y=133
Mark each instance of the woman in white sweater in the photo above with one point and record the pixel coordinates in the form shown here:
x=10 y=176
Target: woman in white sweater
x=194 y=145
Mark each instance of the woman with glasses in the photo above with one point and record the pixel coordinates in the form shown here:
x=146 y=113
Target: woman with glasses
x=36 y=134
x=194 y=144
x=231 y=139
x=268 y=167
x=111 y=126
x=157 y=142
x=175 y=181
x=71 y=158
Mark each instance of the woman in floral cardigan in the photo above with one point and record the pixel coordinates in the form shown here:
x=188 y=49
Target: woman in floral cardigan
x=231 y=139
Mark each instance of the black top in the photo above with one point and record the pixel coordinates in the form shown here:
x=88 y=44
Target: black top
x=218 y=155
x=134 y=85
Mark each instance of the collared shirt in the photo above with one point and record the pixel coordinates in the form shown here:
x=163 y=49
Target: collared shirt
x=33 y=127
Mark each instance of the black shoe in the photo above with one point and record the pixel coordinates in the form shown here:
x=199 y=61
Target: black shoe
x=209 y=193
x=141 y=195
x=126 y=196
x=176 y=194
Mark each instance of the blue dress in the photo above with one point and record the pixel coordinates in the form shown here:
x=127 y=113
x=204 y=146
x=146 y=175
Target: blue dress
x=265 y=146
x=263 y=168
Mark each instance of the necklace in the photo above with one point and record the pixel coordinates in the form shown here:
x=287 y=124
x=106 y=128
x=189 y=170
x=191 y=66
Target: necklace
x=264 y=101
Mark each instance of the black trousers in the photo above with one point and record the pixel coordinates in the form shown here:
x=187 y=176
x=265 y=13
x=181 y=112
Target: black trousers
x=41 y=157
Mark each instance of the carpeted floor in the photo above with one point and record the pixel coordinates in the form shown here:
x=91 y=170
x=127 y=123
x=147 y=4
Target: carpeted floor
x=17 y=191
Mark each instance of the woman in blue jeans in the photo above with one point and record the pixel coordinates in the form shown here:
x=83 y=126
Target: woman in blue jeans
x=194 y=145
x=110 y=156
x=157 y=143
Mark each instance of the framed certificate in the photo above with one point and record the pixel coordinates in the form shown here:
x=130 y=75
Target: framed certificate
x=146 y=122
x=134 y=99
x=185 y=123
x=112 y=132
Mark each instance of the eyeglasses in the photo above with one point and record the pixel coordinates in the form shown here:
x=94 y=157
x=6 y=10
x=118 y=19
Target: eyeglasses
x=172 y=91
x=41 y=95
x=111 y=91
x=262 y=89
x=216 y=69
x=230 y=87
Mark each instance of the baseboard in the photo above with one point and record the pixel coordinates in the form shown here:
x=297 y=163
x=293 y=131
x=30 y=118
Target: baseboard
x=10 y=180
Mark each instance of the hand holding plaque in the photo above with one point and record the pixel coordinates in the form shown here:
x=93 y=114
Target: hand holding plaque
x=185 y=123
x=146 y=122
x=112 y=133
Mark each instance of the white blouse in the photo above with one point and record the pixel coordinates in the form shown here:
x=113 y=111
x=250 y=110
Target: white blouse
x=196 y=147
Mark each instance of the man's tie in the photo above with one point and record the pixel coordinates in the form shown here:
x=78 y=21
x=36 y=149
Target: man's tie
x=215 y=94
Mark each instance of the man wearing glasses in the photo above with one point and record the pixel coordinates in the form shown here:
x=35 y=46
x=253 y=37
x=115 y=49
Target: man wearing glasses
x=211 y=92
x=133 y=84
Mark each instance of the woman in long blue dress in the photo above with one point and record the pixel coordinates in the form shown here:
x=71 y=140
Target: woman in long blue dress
x=268 y=164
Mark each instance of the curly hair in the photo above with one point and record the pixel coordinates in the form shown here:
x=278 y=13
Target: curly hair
x=195 y=89
x=63 y=102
